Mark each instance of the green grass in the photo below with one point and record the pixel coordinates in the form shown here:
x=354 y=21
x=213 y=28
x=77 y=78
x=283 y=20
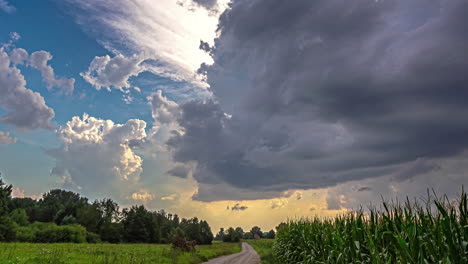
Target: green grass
x=263 y=248
x=19 y=253
x=400 y=233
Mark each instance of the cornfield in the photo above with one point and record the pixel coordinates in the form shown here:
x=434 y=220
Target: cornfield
x=434 y=231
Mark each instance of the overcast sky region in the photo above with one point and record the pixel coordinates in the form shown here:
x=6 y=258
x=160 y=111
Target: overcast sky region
x=241 y=112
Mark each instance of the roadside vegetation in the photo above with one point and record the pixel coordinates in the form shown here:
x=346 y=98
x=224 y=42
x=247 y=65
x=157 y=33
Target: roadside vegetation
x=264 y=249
x=22 y=253
x=434 y=231
x=66 y=217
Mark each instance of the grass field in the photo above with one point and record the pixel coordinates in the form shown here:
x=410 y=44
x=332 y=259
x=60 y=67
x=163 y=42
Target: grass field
x=264 y=249
x=436 y=232
x=19 y=253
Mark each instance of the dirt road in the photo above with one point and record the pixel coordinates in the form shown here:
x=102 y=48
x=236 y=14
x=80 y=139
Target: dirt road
x=247 y=256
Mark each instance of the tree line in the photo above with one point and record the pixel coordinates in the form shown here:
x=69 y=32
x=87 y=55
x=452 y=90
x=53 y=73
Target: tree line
x=236 y=234
x=65 y=216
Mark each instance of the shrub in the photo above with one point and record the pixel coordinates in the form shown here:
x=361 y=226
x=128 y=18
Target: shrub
x=51 y=233
x=92 y=238
x=19 y=216
x=7 y=229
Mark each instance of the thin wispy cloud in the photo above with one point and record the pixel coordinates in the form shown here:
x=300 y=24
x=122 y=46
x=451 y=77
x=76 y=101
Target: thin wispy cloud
x=6 y=7
x=164 y=32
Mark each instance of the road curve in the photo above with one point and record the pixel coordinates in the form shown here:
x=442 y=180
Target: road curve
x=248 y=255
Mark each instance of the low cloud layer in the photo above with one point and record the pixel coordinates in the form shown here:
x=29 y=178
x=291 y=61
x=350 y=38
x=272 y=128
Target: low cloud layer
x=311 y=94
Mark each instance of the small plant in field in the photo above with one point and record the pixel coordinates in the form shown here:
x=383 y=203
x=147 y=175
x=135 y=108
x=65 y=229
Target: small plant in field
x=183 y=244
x=436 y=232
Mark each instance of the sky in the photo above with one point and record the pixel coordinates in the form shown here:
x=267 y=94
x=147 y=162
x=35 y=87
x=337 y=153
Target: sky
x=241 y=112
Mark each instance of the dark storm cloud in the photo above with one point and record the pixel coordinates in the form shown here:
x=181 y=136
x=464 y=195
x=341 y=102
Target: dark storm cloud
x=179 y=171
x=239 y=207
x=209 y=4
x=364 y=189
x=325 y=92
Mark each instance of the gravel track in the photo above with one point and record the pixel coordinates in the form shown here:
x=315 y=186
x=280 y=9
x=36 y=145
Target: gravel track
x=248 y=255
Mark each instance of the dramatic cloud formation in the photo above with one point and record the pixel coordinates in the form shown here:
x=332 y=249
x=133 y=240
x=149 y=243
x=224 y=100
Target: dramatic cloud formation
x=107 y=72
x=26 y=109
x=311 y=94
x=38 y=60
x=164 y=111
x=6 y=7
x=99 y=154
x=164 y=31
x=6 y=139
x=447 y=176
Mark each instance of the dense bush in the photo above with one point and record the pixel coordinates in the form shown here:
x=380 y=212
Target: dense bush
x=410 y=233
x=52 y=233
x=7 y=229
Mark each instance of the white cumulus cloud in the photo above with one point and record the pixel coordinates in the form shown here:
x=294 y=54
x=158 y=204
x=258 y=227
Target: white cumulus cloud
x=99 y=154
x=39 y=60
x=26 y=109
x=107 y=72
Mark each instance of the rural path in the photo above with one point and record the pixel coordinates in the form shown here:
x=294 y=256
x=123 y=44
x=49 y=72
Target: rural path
x=248 y=255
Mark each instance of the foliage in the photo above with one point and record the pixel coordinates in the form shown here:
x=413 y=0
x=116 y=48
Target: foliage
x=25 y=253
x=399 y=233
x=180 y=243
x=232 y=235
x=7 y=229
x=271 y=234
x=19 y=216
x=5 y=197
x=256 y=231
x=52 y=233
x=72 y=218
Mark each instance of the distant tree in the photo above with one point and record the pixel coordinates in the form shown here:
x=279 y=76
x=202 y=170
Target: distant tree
x=135 y=222
x=206 y=234
x=248 y=235
x=19 y=216
x=281 y=225
x=271 y=234
x=28 y=204
x=256 y=231
x=64 y=216
x=69 y=220
x=232 y=236
x=5 y=197
x=220 y=235
x=240 y=231
x=7 y=229
x=57 y=204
